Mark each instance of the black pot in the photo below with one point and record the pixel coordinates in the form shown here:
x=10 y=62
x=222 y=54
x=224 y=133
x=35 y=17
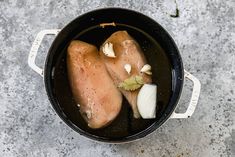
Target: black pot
x=161 y=53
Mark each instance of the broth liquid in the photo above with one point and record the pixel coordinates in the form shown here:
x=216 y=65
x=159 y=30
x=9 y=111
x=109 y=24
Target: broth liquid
x=124 y=125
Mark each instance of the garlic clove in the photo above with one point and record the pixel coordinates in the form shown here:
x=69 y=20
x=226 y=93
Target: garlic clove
x=146 y=69
x=127 y=67
x=108 y=50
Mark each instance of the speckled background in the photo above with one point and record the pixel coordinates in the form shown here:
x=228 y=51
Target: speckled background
x=205 y=34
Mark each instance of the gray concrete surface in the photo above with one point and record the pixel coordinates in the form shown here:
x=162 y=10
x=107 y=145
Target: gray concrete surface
x=205 y=34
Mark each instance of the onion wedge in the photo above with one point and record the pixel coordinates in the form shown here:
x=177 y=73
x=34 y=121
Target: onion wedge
x=147 y=101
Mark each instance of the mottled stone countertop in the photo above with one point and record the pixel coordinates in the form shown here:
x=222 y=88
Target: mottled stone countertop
x=205 y=35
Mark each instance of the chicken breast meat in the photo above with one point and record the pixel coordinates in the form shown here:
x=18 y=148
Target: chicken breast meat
x=127 y=51
x=92 y=87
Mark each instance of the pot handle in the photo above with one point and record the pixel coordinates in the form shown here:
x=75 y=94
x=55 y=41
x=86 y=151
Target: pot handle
x=34 y=49
x=194 y=98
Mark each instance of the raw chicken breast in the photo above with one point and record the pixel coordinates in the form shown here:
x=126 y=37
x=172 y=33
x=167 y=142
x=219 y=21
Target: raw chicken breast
x=92 y=87
x=127 y=51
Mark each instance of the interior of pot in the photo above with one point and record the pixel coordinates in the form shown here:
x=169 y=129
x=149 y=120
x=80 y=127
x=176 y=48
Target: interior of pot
x=160 y=52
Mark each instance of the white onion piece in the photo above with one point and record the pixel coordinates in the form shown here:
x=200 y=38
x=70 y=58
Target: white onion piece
x=146 y=101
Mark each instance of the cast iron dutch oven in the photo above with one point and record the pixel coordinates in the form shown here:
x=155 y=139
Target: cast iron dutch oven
x=160 y=51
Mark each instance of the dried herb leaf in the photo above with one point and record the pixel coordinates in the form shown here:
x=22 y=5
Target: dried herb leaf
x=139 y=80
x=132 y=83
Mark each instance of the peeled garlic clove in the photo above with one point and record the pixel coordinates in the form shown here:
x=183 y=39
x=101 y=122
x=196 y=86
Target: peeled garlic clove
x=108 y=50
x=146 y=68
x=127 y=67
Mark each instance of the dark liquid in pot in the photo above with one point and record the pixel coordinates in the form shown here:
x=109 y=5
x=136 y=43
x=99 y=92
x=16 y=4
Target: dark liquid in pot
x=124 y=125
